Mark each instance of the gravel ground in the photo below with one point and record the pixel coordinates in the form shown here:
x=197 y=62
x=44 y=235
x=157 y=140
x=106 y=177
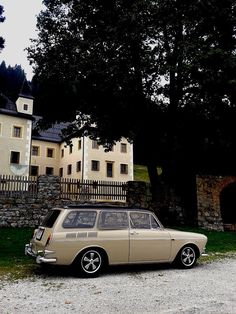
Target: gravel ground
x=207 y=288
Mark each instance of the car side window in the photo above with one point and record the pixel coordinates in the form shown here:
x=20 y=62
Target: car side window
x=111 y=220
x=154 y=223
x=80 y=219
x=140 y=220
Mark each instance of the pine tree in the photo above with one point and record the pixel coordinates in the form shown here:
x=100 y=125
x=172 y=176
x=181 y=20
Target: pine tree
x=2 y=18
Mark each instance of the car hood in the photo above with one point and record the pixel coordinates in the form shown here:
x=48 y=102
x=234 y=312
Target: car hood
x=185 y=235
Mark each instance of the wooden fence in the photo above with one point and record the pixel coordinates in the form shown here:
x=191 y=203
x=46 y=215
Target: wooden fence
x=93 y=190
x=73 y=189
x=18 y=186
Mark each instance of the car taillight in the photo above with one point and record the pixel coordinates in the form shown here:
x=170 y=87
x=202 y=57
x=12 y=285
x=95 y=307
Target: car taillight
x=34 y=233
x=48 y=240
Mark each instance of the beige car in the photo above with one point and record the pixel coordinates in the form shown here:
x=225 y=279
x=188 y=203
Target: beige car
x=92 y=236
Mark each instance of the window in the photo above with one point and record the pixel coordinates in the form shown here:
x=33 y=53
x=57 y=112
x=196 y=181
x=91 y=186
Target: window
x=61 y=172
x=15 y=158
x=123 y=148
x=34 y=170
x=25 y=107
x=80 y=219
x=70 y=148
x=35 y=150
x=62 y=153
x=50 y=218
x=143 y=221
x=95 y=144
x=79 y=144
x=113 y=220
x=140 y=220
x=78 y=166
x=124 y=169
x=69 y=169
x=109 y=169
x=50 y=152
x=17 y=131
x=154 y=223
x=49 y=171
x=95 y=165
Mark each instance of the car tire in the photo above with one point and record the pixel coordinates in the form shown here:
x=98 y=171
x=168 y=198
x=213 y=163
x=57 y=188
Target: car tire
x=187 y=257
x=91 y=263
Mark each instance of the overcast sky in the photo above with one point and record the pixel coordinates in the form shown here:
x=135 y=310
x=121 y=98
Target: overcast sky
x=18 y=27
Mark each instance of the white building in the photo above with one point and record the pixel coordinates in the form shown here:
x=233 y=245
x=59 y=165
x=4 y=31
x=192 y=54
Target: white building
x=26 y=152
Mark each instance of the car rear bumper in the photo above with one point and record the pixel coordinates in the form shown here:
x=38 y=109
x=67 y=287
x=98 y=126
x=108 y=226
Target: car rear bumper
x=39 y=256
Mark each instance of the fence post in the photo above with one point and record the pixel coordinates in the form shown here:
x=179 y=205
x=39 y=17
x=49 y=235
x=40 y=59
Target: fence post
x=49 y=187
x=136 y=194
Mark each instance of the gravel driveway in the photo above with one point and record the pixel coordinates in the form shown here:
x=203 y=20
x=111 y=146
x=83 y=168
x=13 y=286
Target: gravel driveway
x=208 y=288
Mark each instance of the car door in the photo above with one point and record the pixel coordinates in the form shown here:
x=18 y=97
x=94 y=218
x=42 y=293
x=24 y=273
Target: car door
x=113 y=235
x=149 y=242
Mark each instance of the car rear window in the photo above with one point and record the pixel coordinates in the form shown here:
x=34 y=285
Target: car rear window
x=80 y=219
x=50 y=218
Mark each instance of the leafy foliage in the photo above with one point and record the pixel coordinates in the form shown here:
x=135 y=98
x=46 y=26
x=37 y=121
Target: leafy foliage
x=106 y=60
x=97 y=54
x=2 y=18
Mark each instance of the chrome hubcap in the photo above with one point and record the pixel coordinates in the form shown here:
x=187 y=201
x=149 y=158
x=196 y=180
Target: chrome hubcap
x=91 y=261
x=188 y=256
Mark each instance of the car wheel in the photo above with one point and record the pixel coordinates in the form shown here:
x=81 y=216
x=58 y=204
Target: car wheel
x=91 y=262
x=187 y=257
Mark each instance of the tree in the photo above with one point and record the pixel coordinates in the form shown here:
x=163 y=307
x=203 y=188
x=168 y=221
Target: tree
x=107 y=59
x=200 y=53
x=98 y=54
x=1 y=20
x=13 y=81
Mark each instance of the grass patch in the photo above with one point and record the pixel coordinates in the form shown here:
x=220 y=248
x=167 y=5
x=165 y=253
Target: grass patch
x=12 y=244
x=218 y=241
x=141 y=173
x=220 y=244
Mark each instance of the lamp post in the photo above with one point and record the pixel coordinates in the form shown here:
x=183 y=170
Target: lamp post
x=82 y=176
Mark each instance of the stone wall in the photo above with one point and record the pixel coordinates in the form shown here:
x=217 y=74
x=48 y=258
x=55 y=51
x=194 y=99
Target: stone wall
x=29 y=212
x=167 y=207
x=208 y=196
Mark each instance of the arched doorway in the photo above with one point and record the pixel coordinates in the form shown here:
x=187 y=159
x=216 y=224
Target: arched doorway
x=228 y=206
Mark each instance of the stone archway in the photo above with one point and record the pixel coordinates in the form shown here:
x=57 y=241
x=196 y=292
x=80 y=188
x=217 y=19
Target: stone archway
x=228 y=206
x=209 y=191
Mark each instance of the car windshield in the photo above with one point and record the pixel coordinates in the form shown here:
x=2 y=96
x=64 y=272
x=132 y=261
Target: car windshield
x=50 y=218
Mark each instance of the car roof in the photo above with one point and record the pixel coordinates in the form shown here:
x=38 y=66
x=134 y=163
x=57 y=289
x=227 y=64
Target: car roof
x=100 y=206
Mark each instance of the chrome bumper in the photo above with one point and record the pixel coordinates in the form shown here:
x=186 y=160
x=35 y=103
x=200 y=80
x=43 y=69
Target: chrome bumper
x=204 y=252
x=39 y=256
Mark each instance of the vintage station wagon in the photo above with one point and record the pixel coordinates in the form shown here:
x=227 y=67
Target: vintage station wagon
x=92 y=236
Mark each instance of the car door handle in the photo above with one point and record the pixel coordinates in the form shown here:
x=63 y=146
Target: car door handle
x=134 y=232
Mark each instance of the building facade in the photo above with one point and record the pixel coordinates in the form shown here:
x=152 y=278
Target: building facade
x=15 y=135
x=83 y=159
x=25 y=151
